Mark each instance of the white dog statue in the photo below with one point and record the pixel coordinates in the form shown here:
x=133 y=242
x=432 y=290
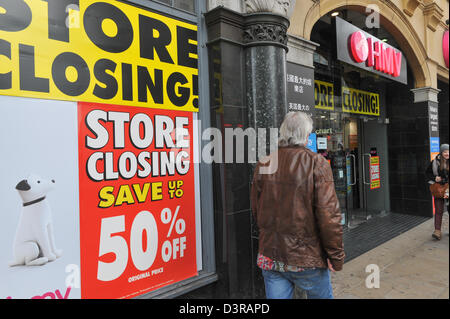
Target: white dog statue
x=34 y=243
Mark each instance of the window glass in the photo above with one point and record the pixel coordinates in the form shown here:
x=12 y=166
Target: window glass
x=169 y=2
x=188 y=5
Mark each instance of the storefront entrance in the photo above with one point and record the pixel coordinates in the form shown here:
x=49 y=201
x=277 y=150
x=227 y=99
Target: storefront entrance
x=365 y=190
x=355 y=147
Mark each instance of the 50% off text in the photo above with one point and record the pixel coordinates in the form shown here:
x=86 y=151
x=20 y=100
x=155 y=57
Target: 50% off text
x=143 y=242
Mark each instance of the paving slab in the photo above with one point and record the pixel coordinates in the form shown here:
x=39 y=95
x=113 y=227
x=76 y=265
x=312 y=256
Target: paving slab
x=411 y=266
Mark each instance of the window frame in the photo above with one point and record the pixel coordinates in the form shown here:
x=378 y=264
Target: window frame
x=169 y=10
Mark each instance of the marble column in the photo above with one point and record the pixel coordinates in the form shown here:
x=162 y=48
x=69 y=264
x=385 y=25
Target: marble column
x=265 y=41
x=247 y=55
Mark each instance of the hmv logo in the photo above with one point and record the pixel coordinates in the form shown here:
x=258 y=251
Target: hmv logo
x=375 y=54
x=361 y=49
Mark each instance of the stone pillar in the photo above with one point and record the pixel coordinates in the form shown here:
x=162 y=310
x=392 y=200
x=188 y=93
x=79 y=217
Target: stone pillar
x=265 y=38
x=425 y=94
x=265 y=42
x=426 y=98
x=242 y=40
x=301 y=51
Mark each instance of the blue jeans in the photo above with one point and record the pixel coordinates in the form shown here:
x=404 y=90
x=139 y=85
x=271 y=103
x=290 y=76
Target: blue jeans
x=315 y=282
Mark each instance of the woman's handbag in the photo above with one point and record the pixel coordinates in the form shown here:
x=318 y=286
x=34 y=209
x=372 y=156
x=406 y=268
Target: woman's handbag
x=438 y=190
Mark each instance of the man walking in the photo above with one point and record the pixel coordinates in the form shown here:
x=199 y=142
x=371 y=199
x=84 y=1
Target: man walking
x=297 y=212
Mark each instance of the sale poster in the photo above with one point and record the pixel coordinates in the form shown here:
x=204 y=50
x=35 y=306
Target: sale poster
x=99 y=189
x=137 y=220
x=375 y=181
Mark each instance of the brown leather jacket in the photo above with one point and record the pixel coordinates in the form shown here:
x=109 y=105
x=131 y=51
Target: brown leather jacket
x=297 y=210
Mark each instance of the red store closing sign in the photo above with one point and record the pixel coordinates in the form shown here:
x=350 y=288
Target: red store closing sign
x=137 y=216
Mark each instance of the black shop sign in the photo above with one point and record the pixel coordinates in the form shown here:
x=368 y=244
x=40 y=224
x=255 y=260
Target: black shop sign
x=300 y=88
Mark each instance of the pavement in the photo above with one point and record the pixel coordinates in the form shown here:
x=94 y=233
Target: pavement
x=410 y=266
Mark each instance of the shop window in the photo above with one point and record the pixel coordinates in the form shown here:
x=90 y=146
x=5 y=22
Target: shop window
x=318 y=58
x=169 y=2
x=160 y=233
x=187 y=5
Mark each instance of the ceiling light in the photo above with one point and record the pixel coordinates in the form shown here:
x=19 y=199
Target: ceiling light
x=335 y=14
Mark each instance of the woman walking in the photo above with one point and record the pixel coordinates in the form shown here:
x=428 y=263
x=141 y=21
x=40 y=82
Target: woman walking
x=437 y=172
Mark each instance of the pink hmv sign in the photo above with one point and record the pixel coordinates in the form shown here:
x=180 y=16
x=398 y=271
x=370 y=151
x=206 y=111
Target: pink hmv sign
x=364 y=51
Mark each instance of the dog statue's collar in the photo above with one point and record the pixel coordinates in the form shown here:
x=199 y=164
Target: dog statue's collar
x=34 y=201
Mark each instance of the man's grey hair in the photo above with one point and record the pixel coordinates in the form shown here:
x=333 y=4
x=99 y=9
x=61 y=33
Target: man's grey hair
x=295 y=129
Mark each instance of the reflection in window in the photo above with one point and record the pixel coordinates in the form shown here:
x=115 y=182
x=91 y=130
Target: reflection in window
x=169 y=2
x=187 y=5
x=318 y=58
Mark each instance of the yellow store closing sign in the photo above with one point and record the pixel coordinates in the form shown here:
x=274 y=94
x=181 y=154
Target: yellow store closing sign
x=323 y=95
x=95 y=51
x=360 y=102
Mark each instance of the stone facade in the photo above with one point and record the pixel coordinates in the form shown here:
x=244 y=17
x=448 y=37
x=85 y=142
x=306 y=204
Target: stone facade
x=417 y=25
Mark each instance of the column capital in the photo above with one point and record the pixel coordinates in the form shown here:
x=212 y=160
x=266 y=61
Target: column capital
x=425 y=94
x=266 y=28
x=281 y=7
